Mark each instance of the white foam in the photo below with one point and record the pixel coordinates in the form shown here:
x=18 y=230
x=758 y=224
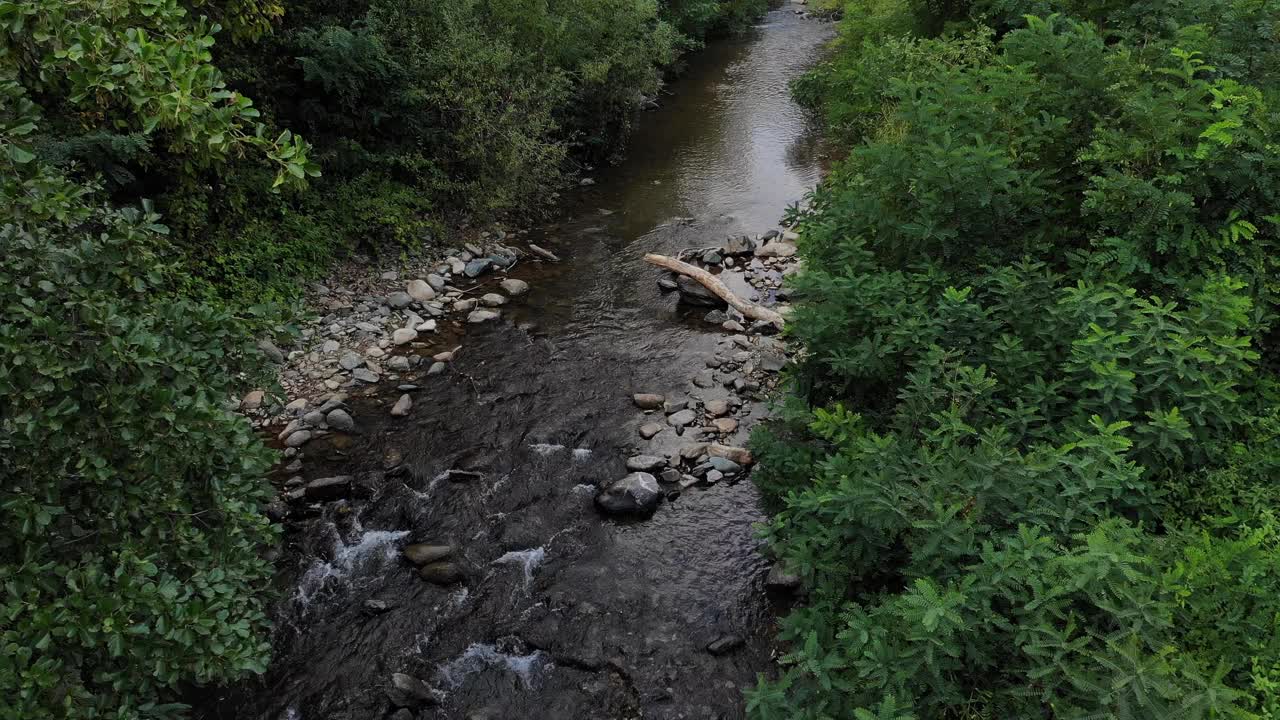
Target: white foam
x=546 y=449
x=584 y=489
x=373 y=547
x=528 y=559
x=479 y=657
x=581 y=454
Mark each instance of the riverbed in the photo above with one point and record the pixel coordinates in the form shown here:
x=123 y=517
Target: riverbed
x=562 y=612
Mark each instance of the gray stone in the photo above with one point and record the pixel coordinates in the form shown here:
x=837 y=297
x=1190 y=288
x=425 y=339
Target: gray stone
x=391 y=275
x=717 y=408
x=315 y=418
x=426 y=326
x=330 y=488
x=635 y=494
x=441 y=573
x=742 y=456
x=466 y=305
x=404 y=336
x=649 y=430
x=724 y=644
x=478 y=267
x=368 y=327
x=725 y=425
x=402 y=406
x=407 y=691
x=298 y=438
x=436 y=368
x=725 y=465
x=670 y=475
x=436 y=282
x=682 y=418
x=645 y=463
x=781 y=579
x=480 y=316
x=423 y=554
x=715 y=317
x=648 y=401
x=704 y=379
x=253 y=400
x=714 y=476
x=421 y=291
x=330 y=346
x=399 y=363
x=732 y=326
x=514 y=287
x=340 y=420
x=297 y=405
x=693 y=293
x=399 y=299
x=350 y=360
x=493 y=300
x=365 y=375
x=712 y=257
x=667 y=284
x=272 y=352
x=776 y=250
x=740 y=245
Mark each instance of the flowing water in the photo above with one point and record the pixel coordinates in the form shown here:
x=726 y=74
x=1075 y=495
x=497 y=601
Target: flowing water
x=563 y=613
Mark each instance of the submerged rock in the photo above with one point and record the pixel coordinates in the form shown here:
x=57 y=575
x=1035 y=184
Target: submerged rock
x=407 y=691
x=340 y=420
x=423 y=554
x=635 y=494
x=645 y=463
x=648 y=401
x=514 y=287
x=693 y=293
x=441 y=573
x=724 y=644
x=402 y=406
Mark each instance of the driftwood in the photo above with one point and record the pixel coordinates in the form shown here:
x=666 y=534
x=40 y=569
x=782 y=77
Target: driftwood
x=710 y=282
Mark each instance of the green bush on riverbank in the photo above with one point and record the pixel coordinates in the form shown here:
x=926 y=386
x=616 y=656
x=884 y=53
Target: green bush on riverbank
x=1030 y=468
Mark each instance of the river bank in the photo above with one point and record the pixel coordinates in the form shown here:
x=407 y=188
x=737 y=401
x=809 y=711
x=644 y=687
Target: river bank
x=451 y=559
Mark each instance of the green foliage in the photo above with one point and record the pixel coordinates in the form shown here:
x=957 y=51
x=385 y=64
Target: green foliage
x=131 y=497
x=1029 y=468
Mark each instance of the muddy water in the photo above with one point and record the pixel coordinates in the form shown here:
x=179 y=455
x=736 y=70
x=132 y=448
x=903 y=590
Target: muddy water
x=563 y=613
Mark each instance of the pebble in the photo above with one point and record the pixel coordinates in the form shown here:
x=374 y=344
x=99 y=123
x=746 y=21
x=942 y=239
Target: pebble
x=436 y=282
x=648 y=401
x=493 y=300
x=297 y=405
x=399 y=299
x=436 y=368
x=330 y=346
x=635 y=494
x=682 y=418
x=402 y=406
x=649 y=430
x=365 y=375
x=514 y=287
x=419 y=290
x=350 y=360
x=725 y=425
x=724 y=644
x=315 y=418
x=340 y=419
x=404 y=336
x=465 y=305
x=479 y=316
x=253 y=400
x=427 y=326
x=645 y=463
x=298 y=438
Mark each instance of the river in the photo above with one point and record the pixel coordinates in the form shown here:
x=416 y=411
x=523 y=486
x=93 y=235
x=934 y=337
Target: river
x=563 y=613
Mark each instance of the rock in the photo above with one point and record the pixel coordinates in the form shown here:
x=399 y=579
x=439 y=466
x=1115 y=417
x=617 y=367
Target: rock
x=688 y=481
x=693 y=452
x=407 y=691
x=682 y=418
x=298 y=438
x=645 y=463
x=674 y=405
x=742 y=456
x=586 y=182
x=705 y=379
x=478 y=267
x=717 y=408
x=493 y=300
x=350 y=360
x=441 y=573
x=543 y=253
x=725 y=425
x=340 y=420
x=377 y=607
x=714 y=476
x=466 y=305
x=715 y=317
x=423 y=554
x=514 y=287
x=712 y=257
x=426 y=326
x=446 y=356
x=693 y=293
x=272 y=352
x=436 y=368
x=456 y=266
x=421 y=291
x=772 y=361
x=375 y=352
x=435 y=282
x=648 y=401
x=330 y=488
x=724 y=644
x=297 y=405
x=790 y=236
x=740 y=245
x=402 y=406
x=732 y=326
x=667 y=284
x=635 y=494
x=253 y=400
x=365 y=375
x=776 y=250
x=480 y=316
x=403 y=336
x=315 y=418
x=330 y=346
x=399 y=363
x=770 y=235
x=391 y=275
x=399 y=299
x=725 y=465
x=649 y=430
x=779 y=578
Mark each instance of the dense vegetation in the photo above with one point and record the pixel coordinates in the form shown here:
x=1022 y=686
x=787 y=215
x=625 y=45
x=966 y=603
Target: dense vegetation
x=132 y=532
x=1029 y=468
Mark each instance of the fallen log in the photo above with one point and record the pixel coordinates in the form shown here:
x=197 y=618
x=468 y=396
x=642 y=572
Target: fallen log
x=710 y=282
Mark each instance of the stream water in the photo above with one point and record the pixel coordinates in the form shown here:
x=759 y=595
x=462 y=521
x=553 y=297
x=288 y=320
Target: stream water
x=563 y=613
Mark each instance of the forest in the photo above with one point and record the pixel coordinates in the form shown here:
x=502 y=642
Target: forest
x=1027 y=468
x=172 y=174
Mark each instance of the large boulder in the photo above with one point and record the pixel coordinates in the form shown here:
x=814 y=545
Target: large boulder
x=635 y=494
